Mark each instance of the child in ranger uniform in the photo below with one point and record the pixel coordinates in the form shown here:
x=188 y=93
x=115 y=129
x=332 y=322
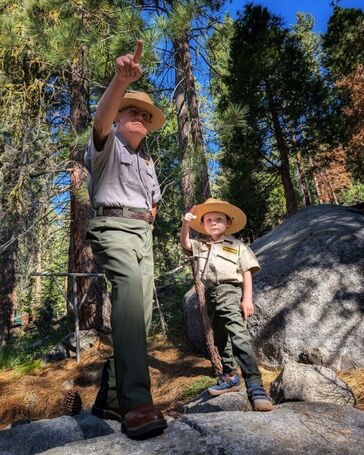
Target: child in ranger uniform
x=226 y=267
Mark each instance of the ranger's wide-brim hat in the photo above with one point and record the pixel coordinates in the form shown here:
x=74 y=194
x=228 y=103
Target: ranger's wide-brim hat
x=237 y=216
x=142 y=101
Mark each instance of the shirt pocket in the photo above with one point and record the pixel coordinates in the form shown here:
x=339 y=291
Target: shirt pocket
x=226 y=266
x=128 y=173
x=201 y=254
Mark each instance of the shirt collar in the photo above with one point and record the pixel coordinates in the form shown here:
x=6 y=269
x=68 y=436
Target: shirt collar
x=209 y=241
x=141 y=150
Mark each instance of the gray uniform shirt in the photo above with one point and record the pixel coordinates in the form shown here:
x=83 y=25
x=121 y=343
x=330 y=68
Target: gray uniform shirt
x=119 y=176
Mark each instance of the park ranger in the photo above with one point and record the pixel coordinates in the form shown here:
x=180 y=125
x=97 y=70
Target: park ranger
x=124 y=192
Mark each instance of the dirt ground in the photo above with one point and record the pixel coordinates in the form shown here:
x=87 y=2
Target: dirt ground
x=174 y=370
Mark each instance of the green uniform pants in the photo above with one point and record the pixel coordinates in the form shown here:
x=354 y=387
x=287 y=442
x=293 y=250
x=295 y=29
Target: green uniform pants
x=230 y=332
x=124 y=247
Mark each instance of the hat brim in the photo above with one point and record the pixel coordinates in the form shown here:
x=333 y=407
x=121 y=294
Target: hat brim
x=158 y=118
x=236 y=215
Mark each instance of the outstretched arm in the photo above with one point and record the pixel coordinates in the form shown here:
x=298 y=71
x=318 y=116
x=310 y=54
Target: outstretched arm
x=127 y=70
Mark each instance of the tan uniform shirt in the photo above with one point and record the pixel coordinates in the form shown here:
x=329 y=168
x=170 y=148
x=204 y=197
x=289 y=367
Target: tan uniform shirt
x=223 y=261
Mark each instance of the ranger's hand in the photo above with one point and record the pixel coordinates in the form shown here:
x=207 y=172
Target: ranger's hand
x=127 y=67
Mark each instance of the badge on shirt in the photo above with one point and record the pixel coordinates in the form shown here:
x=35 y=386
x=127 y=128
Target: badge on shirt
x=230 y=250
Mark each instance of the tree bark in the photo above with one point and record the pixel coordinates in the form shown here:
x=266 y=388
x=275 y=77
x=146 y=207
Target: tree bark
x=206 y=325
x=7 y=290
x=194 y=179
x=302 y=180
x=38 y=283
x=291 y=203
x=315 y=181
x=80 y=254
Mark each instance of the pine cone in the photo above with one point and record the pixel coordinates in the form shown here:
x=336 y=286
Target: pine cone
x=72 y=402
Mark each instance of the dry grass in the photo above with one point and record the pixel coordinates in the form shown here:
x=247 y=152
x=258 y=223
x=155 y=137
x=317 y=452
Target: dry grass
x=41 y=394
x=173 y=368
x=355 y=379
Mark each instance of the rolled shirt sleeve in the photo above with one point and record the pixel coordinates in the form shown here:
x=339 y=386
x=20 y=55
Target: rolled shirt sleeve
x=248 y=260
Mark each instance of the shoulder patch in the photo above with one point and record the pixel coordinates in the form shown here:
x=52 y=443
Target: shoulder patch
x=230 y=242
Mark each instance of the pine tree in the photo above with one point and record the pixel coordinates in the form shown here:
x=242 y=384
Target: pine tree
x=344 y=56
x=286 y=101
x=80 y=42
x=25 y=147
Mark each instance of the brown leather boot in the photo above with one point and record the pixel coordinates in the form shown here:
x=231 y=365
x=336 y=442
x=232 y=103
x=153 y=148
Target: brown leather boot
x=143 y=422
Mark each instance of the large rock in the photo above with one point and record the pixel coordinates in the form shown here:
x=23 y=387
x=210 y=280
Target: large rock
x=309 y=296
x=310 y=293
x=291 y=428
x=299 y=382
x=36 y=437
x=193 y=321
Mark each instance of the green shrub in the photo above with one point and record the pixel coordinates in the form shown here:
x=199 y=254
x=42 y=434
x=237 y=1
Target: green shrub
x=354 y=194
x=197 y=387
x=27 y=368
x=31 y=346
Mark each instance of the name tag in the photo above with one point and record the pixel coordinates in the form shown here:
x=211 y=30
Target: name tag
x=230 y=250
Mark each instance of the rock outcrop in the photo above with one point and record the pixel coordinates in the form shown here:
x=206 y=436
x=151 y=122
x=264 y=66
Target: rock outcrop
x=291 y=428
x=299 y=382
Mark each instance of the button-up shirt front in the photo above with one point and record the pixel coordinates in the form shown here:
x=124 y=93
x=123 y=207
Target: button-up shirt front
x=120 y=176
x=223 y=261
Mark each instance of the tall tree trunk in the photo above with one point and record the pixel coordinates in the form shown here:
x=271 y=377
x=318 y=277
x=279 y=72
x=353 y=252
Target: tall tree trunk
x=7 y=290
x=291 y=204
x=302 y=180
x=80 y=254
x=333 y=195
x=194 y=180
x=38 y=283
x=315 y=181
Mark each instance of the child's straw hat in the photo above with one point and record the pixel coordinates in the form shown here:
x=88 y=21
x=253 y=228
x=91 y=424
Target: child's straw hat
x=237 y=216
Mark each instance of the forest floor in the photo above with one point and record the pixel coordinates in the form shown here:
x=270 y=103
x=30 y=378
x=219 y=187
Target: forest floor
x=177 y=375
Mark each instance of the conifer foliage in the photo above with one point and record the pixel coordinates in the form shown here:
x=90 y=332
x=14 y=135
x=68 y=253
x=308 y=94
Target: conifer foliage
x=279 y=109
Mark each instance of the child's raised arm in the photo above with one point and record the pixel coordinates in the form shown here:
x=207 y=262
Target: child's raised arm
x=185 y=231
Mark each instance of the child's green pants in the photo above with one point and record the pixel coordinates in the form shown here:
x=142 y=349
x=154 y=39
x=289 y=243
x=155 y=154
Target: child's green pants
x=231 y=334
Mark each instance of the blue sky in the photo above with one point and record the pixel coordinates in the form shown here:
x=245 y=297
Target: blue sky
x=320 y=9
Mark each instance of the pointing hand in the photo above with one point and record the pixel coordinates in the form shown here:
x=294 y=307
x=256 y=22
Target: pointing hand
x=127 y=67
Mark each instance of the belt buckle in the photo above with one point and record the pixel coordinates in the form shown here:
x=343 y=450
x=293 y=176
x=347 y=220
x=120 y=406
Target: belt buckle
x=125 y=211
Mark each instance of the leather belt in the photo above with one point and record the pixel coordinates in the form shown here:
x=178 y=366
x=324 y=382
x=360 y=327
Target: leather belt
x=125 y=212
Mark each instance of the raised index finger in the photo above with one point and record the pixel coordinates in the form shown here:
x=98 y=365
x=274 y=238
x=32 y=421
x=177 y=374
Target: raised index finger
x=138 y=51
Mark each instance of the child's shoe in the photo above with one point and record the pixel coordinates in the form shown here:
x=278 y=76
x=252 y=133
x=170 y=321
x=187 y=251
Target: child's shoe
x=225 y=383
x=259 y=398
